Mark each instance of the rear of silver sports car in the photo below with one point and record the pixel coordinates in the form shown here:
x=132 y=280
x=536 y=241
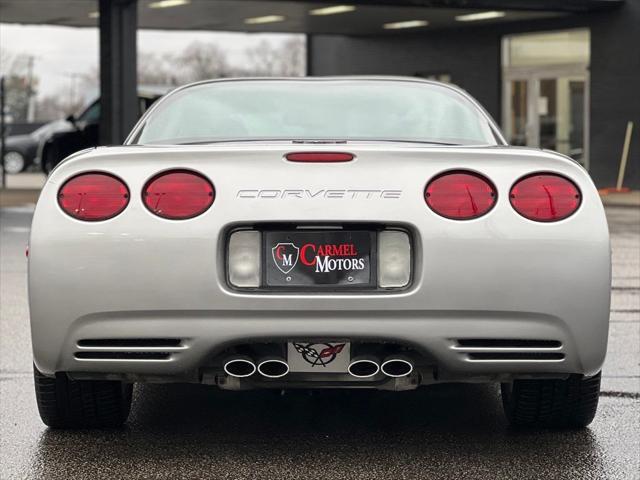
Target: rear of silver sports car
x=361 y=265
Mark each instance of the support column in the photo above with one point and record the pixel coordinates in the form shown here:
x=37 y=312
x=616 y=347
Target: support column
x=309 y=55
x=118 y=77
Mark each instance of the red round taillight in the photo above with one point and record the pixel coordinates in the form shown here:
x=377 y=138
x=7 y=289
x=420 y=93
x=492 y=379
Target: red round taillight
x=460 y=195
x=93 y=196
x=545 y=197
x=178 y=194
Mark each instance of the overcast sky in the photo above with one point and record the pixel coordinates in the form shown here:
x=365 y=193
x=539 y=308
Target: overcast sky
x=61 y=51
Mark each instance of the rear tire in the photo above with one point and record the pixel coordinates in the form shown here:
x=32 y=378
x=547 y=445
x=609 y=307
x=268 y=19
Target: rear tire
x=570 y=403
x=66 y=403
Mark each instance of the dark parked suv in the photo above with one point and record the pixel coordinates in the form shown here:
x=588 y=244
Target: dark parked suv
x=86 y=130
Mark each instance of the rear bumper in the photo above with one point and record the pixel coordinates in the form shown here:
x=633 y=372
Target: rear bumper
x=434 y=335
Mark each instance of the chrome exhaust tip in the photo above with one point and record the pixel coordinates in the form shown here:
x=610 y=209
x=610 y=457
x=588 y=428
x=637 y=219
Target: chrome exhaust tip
x=363 y=367
x=240 y=367
x=396 y=367
x=273 y=368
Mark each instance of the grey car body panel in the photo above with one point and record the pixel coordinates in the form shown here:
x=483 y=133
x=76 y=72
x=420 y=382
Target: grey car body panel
x=497 y=276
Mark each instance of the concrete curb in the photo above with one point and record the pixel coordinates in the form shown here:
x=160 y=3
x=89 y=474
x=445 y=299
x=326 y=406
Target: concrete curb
x=14 y=197
x=627 y=199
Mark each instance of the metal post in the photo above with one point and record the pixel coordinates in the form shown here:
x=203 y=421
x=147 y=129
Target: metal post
x=2 y=132
x=625 y=155
x=118 y=76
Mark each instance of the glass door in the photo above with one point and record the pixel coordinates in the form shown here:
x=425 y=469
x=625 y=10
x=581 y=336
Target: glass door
x=547 y=110
x=546 y=91
x=561 y=115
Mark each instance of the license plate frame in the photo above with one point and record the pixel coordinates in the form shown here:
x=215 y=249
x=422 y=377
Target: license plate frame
x=353 y=248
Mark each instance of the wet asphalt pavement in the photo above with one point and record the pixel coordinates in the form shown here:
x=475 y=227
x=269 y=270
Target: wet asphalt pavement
x=445 y=431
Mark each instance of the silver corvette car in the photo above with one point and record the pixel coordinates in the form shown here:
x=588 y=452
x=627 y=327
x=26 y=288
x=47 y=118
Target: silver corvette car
x=344 y=232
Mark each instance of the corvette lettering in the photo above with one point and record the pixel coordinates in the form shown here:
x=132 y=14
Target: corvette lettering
x=351 y=194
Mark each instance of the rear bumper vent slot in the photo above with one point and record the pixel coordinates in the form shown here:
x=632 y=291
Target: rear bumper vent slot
x=106 y=355
x=515 y=356
x=129 y=349
x=507 y=343
x=509 y=349
x=130 y=342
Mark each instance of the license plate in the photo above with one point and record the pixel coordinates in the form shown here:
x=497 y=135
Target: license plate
x=318 y=258
x=318 y=357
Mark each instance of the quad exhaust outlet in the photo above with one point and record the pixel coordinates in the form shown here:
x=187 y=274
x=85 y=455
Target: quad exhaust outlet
x=273 y=368
x=243 y=367
x=240 y=367
x=369 y=366
x=363 y=367
x=396 y=367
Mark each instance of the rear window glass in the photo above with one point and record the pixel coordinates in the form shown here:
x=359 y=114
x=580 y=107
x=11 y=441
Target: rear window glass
x=316 y=110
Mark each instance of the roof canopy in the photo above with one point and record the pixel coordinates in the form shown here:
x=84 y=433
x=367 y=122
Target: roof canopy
x=346 y=17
